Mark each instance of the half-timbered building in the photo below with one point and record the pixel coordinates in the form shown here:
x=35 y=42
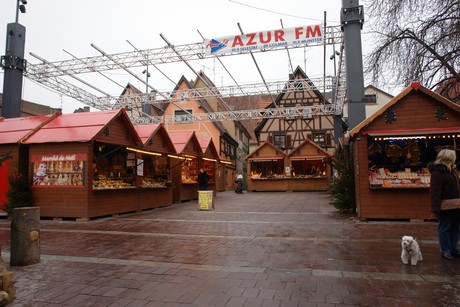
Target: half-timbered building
x=289 y=132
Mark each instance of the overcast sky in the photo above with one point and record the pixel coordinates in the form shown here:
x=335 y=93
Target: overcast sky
x=53 y=26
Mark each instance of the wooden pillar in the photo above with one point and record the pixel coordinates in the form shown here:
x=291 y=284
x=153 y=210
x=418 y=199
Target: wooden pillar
x=25 y=236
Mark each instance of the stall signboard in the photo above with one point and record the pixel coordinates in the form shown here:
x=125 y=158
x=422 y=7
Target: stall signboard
x=140 y=167
x=58 y=170
x=244 y=43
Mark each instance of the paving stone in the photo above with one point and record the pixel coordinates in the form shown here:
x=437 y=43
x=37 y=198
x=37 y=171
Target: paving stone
x=262 y=249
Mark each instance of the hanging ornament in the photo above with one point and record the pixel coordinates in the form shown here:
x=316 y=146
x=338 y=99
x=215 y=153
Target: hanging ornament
x=390 y=116
x=441 y=113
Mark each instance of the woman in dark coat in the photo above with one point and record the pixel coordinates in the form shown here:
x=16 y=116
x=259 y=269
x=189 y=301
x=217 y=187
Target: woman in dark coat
x=203 y=179
x=445 y=185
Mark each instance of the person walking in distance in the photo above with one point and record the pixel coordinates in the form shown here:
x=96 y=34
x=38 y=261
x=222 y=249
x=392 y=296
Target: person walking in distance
x=239 y=181
x=444 y=185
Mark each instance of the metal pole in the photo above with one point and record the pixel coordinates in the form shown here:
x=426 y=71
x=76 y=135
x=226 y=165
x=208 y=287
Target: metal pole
x=17 y=11
x=352 y=19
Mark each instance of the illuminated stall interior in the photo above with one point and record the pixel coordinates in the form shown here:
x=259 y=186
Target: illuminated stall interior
x=113 y=166
x=153 y=163
x=401 y=161
x=309 y=160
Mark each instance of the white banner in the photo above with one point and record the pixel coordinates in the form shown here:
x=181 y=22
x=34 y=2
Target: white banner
x=243 y=43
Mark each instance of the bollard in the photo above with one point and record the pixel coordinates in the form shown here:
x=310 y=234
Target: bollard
x=25 y=236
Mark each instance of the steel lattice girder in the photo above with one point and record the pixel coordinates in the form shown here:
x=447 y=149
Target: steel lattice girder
x=195 y=51
x=306 y=112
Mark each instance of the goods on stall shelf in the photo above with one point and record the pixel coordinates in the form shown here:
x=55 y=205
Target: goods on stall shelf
x=400 y=161
x=383 y=178
x=156 y=173
x=189 y=171
x=113 y=167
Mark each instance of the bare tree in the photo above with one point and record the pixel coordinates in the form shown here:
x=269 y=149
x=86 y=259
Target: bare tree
x=416 y=40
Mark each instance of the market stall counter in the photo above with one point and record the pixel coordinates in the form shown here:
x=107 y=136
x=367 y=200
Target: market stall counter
x=185 y=166
x=152 y=166
x=82 y=166
x=268 y=169
x=309 y=167
x=392 y=149
x=209 y=161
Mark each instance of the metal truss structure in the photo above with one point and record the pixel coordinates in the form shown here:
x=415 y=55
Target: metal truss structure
x=50 y=75
x=306 y=112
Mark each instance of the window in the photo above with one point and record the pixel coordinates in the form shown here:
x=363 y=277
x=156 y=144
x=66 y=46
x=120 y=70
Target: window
x=183 y=116
x=372 y=98
x=279 y=140
x=319 y=138
x=227 y=149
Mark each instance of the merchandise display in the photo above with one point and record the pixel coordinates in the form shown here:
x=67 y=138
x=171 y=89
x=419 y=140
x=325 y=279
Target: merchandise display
x=156 y=174
x=400 y=162
x=113 y=167
x=267 y=169
x=189 y=171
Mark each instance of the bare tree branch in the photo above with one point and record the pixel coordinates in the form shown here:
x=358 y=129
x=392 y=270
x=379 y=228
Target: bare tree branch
x=415 y=40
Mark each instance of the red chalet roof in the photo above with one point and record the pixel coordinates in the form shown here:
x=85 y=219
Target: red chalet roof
x=181 y=139
x=13 y=130
x=206 y=144
x=146 y=131
x=76 y=127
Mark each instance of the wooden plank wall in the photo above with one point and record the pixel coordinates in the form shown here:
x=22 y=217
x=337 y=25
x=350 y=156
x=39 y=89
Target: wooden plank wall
x=62 y=201
x=416 y=110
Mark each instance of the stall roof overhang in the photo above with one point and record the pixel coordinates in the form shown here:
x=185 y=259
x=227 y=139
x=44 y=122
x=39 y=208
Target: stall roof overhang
x=78 y=127
x=14 y=130
x=415 y=86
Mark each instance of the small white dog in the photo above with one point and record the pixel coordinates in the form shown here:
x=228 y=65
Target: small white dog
x=410 y=250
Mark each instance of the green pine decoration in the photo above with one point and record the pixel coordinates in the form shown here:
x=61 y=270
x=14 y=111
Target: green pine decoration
x=19 y=193
x=342 y=187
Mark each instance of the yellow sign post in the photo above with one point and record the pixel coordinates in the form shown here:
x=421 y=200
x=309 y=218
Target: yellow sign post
x=205 y=200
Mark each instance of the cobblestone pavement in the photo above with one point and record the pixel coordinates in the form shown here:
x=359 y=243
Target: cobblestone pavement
x=254 y=249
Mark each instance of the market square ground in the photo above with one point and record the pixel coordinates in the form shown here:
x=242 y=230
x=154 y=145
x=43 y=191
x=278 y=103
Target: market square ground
x=255 y=249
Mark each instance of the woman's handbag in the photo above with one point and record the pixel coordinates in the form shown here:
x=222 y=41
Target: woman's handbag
x=449 y=204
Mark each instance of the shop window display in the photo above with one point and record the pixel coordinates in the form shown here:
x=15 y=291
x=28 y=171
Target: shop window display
x=305 y=168
x=189 y=172
x=401 y=161
x=267 y=169
x=113 y=168
x=156 y=174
